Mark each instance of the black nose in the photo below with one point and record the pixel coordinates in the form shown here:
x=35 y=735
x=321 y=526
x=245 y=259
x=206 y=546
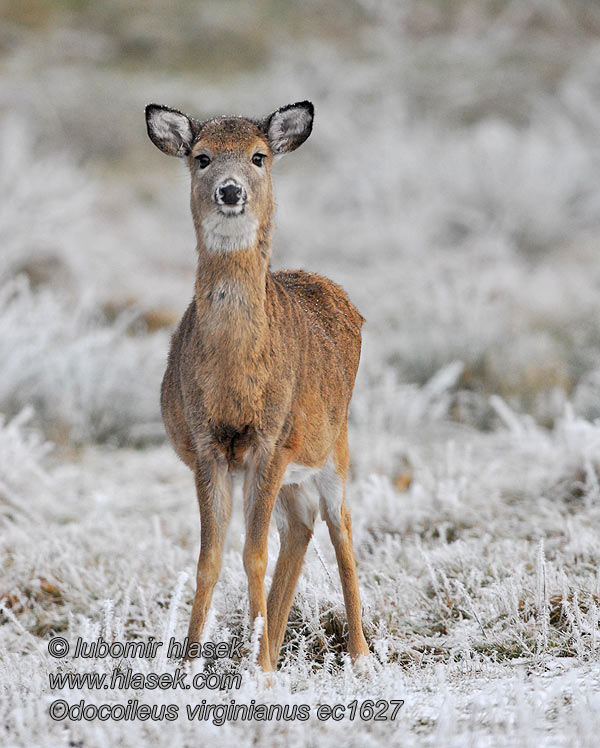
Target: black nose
x=230 y=194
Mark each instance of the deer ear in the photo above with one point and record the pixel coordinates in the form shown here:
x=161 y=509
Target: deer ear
x=169 y=129
x=288 y=127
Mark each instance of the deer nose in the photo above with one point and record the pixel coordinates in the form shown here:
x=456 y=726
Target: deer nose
x=230 y=193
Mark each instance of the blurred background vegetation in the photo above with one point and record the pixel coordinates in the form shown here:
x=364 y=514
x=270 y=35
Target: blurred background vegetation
x=452 y=185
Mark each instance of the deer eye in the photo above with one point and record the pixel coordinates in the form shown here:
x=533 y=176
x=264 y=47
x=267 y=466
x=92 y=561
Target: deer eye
x=203 y=160
x=258 y=159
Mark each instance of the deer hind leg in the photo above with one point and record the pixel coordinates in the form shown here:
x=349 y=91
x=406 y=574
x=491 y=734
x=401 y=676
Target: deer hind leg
x=213 y=485
x=261 y=486
x=295 y=512
x=331 y=484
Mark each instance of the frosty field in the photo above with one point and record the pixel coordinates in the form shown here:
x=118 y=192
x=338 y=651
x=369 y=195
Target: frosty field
x=452 y=186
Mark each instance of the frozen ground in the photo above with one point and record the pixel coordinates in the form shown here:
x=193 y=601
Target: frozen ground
x=452 y=186
x=479 y=587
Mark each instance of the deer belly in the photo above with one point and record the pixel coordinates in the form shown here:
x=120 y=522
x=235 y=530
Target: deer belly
x=297 y=474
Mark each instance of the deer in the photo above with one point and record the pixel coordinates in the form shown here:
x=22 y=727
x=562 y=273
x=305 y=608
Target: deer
x=260 y=373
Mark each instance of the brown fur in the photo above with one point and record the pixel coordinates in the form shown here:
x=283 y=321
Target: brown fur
x=260 y=375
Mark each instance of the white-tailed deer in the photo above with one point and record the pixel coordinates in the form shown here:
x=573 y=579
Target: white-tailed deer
x=260 y=371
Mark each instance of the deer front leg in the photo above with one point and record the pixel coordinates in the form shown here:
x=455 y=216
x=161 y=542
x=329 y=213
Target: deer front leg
x=261 y=486
x=213 y=486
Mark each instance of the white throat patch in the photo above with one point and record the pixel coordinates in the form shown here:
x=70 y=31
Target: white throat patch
x=227 y=233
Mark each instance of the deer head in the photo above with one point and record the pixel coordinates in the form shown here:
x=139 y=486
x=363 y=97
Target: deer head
x=230 y=161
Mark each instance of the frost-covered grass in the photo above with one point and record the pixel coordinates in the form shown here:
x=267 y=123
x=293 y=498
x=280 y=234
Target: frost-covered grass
x=452 y=186
x=87 y=380
x=479 y=589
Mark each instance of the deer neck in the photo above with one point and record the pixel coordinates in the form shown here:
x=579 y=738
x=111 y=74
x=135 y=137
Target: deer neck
x=231 y=308
x=231 y=294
